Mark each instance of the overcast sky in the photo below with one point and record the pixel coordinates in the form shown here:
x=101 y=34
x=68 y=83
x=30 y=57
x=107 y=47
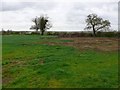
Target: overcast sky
x=65 y=15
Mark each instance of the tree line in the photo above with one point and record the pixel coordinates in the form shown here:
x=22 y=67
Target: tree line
x=93 y=21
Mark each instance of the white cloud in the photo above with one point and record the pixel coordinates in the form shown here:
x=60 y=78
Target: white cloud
x=61 y=0
x=64 y=15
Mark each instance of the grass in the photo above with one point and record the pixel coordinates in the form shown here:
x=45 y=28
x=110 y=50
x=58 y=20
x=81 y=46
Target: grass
x=28 y=62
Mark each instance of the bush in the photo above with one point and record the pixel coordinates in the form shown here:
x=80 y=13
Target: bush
x=35 y=33
x=65 y=34
x=107 y=34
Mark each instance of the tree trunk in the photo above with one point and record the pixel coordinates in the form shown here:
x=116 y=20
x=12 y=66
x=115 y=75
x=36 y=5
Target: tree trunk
x=42 y=32
x=94 y=31
x=37 y=30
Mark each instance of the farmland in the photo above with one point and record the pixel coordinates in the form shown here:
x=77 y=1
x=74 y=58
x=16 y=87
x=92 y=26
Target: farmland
x=34 y=61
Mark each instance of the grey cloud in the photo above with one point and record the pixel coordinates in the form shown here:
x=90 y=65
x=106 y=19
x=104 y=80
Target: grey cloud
x=119 y=16
x=64 y=16
x=13 y=6
x=78 y=13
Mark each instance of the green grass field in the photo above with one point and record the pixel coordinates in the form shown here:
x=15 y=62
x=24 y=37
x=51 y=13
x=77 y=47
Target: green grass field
x=29 y=61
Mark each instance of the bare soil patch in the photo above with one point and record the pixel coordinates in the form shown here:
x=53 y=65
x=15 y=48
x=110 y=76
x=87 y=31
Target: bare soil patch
x=83 y=43
x=102 y=44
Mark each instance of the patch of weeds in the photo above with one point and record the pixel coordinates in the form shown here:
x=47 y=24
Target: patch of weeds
x=65 y=64
x=60 y=73
x=14 y=70
x=58 y=48
x=67 y=40
x=5 y=62
x=20 y=79
x=36 y=62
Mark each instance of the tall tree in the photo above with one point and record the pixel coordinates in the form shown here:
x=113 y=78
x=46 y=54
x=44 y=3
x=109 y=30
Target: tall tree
x=36 y=24
x=41 y=23
x=96 y=23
